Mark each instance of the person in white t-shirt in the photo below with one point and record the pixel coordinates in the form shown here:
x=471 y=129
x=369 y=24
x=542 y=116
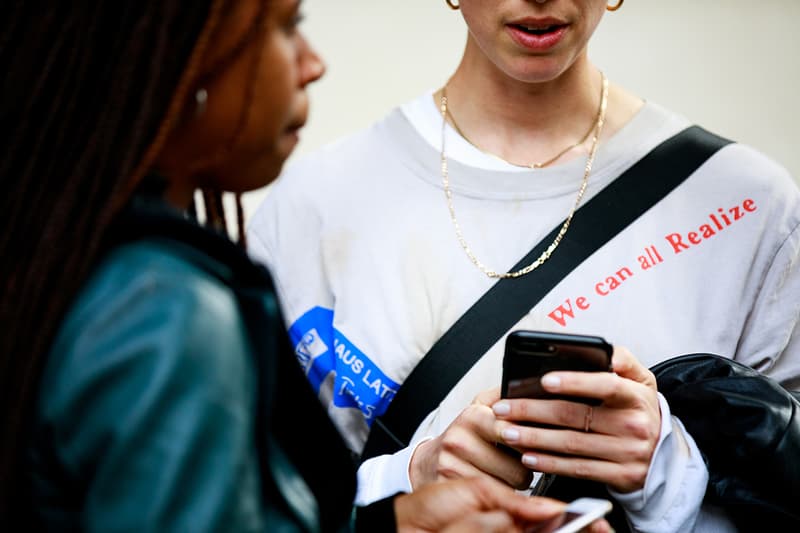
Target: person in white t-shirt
x=382 y=240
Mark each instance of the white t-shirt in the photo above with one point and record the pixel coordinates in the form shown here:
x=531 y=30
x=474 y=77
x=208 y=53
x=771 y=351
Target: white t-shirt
x=370 y=274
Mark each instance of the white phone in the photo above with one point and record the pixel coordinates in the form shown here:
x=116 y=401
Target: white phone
x=578 y=514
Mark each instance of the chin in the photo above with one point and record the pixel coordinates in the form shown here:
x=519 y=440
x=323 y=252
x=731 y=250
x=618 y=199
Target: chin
x=255 y=169
x=261 y=175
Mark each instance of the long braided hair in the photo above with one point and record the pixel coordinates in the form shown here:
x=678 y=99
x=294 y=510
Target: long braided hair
x=91 y=91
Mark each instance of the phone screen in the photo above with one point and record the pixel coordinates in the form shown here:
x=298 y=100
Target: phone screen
x=578 y=515
x=560 y=524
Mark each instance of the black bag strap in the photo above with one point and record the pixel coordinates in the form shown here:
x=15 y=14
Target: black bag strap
x=593 y=225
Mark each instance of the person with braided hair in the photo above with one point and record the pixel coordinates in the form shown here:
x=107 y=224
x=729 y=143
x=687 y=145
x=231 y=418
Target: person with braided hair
x=145 y=377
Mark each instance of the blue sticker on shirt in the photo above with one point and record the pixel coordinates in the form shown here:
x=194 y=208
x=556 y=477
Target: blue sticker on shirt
x=321 y=349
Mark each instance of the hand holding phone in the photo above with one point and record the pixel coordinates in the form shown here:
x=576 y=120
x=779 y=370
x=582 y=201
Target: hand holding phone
x=578 y=514
x=531 y=354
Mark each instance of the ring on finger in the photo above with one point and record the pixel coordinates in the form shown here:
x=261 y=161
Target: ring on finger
x=587 y=419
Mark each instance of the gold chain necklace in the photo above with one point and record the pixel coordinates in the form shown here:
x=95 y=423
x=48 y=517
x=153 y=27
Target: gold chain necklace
x=532 y=165
x=596 y=129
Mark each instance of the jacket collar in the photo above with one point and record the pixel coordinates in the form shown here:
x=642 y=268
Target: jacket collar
x=148 y=218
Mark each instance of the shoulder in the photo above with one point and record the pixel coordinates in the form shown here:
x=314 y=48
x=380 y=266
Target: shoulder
x=739 y=179
x=153 y=276
x=344 y=172
x=737 y=165
x=147 y=318
x=348 y=156
x=348 y=152
x=745 y=170
x=747 y=162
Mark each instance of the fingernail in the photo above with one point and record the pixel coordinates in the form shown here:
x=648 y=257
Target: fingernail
x=551 y=382
x=501 y=408
x=529 y=460
x=510 y=435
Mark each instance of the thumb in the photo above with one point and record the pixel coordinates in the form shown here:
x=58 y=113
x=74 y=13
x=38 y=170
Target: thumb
x=486 y=522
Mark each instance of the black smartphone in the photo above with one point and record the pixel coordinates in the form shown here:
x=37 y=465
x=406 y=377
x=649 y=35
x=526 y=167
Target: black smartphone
x=531 y=354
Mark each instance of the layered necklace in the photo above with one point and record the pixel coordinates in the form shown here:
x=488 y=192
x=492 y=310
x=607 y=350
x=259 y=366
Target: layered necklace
x=595 y=132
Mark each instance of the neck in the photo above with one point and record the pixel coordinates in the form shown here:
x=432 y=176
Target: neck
x=527 y=121
x=179 y=187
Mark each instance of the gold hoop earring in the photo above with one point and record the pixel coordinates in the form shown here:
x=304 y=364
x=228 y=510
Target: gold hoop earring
x=615 y=7
x=452 y=5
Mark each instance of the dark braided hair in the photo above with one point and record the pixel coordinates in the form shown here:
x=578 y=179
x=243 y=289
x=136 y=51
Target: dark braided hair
x=91 y=91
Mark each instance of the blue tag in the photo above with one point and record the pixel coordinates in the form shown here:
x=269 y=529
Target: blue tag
x=321 y=349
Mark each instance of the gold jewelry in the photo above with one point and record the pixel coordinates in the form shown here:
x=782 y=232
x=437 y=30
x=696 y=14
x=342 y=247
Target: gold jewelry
x=598 y=128
x=587 y=419
x=452 y=5
x=533 y=165
x=614 y=7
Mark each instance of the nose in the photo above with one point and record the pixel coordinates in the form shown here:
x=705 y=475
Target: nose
x=312 y=67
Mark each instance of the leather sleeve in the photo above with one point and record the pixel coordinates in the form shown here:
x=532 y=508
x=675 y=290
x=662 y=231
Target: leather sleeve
x=747 y=427
x=148 y=398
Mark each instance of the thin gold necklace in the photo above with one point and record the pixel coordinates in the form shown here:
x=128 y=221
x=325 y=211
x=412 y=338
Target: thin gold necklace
x=596 y=129
x=532 y=165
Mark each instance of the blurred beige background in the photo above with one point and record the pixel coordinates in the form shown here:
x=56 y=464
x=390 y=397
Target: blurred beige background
x=730 y=65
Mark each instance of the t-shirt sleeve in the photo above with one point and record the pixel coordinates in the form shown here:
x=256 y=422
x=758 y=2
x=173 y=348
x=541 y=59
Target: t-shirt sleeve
x=286 y=234
x=770 y=341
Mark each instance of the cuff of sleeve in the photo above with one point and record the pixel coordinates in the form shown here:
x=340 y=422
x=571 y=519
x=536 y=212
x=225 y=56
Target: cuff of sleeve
x=378 y=516
x=675 y=484
x=383 y=476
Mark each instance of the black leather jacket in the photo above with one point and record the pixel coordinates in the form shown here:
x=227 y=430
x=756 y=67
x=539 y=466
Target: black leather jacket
x=171 y=400
x=747 y=427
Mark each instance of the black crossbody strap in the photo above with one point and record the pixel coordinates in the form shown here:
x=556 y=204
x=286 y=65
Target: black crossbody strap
x=593 y=225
